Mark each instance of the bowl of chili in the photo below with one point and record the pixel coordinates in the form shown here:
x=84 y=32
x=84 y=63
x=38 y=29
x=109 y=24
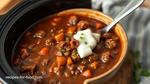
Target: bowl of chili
x=48 y=48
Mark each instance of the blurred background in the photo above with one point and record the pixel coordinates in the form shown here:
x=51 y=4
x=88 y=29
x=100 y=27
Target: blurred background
x=137 y=26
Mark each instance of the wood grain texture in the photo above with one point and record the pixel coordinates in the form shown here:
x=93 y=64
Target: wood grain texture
x=6 y=5
x=146 y=4
x=124 y=74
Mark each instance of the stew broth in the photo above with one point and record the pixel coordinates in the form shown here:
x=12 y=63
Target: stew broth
x=49 y=50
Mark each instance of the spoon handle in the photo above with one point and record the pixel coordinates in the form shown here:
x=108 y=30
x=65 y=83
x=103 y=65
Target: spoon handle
x=126 y=11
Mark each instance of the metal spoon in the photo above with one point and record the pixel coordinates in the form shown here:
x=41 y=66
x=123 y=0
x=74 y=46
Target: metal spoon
x=126 y=11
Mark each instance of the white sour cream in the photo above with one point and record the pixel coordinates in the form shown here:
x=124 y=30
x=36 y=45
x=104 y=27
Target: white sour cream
x=87 y=42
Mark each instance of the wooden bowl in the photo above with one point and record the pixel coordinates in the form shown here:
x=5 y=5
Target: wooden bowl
x=118 y=30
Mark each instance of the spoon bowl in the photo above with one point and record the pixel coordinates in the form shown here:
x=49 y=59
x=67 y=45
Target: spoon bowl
x=134 y=4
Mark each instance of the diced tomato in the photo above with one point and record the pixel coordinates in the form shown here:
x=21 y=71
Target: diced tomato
x=59 y=37
x=87 y=73
x=61 y=60
x=71 y=30
x=44 y=51
x=69 y=61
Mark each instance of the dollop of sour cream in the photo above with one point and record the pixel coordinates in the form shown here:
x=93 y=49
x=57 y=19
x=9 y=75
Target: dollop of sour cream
x=87 y=42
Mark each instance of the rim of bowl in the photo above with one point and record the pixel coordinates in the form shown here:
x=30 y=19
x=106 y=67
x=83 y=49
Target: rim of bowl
x=118 y=29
